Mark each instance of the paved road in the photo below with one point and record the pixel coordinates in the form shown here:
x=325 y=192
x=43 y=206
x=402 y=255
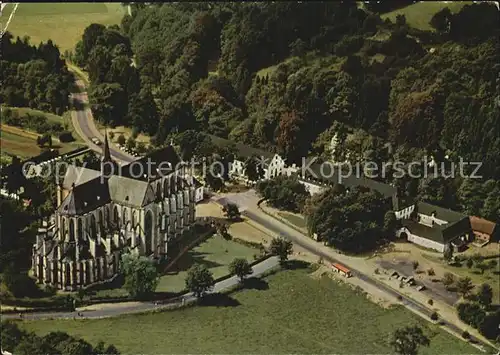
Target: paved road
x=85 y=127
x=113 y=310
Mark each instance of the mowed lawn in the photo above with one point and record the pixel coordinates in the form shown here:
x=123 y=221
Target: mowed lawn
x=215 y=253
x=292 y=313
x=62 y=22
x=418 y=15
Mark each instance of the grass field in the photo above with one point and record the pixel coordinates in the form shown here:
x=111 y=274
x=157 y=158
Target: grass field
x=215 y=253
x=419 y=14
x=62 y=22
x=15 y=144
x=22 y=142
x=289 y=312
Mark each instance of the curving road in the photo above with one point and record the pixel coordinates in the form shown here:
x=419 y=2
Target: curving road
x=84 y=125
x=117 y=309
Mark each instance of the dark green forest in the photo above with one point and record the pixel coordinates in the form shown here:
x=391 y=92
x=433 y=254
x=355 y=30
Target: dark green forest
x=34 y=77
x=287 y=77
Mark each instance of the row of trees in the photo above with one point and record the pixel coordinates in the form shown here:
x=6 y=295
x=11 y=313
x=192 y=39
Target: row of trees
x=33 y=76
x=18 y=341
x=141 y=275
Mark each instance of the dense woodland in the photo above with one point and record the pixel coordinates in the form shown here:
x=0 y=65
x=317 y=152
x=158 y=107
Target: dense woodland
x=239 y=71
x=33 y=76
x=18 y=341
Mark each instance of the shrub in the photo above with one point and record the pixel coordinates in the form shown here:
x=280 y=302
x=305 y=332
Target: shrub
x=135 y=132
x=471 y=313
x=415 y=265
x=430 y=302
x=434 y=316
x=121 y=139
x=400 y=298
x=66 y=136
x=465 y=335
x=431 y=272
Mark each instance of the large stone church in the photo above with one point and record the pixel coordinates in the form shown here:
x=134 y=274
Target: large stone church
x=136 y=208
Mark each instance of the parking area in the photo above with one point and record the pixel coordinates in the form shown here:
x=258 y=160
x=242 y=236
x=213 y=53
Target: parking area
x=403 y=270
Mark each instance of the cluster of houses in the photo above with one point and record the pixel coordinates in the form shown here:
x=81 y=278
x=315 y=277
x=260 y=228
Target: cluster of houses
x=424 y=224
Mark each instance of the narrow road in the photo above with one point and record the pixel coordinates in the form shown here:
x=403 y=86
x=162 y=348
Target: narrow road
x=305 y=242
x=117 y=309
x=84 y=125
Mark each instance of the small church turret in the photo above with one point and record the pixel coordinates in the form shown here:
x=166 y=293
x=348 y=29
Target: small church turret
x=107 y=164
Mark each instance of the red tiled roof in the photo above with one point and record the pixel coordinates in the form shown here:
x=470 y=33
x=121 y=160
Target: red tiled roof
x=340 y=267
x=482 y=225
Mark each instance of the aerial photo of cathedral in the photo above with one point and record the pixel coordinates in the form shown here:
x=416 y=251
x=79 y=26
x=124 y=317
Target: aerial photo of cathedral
x=102 y=214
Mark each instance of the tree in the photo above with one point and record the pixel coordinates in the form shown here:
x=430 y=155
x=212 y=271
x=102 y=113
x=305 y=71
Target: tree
x=469 y=263
x=490 y=325
x=141 y=147
x=231 y=211
x=407 y=340
x=441 y=20
x=121 y=139
x=464 y=286
x=11 y=335
x=471 y=313
x=130 y=143
x=448 y=280
x=415 y=265
x=485 y=295
x=283 y=192
x=253 y=169
x=222 y=231
x=390 y=223
x=282 y=248
x=351 y=221
x=240 y=267
x=199 y=280
x=448 y=253
x=434 y=316
x=141 y=276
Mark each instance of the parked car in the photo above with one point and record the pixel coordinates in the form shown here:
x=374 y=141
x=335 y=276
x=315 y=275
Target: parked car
x=96 y=141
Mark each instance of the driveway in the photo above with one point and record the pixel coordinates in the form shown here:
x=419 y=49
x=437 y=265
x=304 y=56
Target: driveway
x=118 y=309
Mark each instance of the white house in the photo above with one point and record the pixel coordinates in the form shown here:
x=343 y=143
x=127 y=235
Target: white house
x=433 y=227
x=271 y=164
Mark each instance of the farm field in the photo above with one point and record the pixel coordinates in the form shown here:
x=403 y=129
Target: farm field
x=16 y=141
x=63 y=23
x=419 y=14
x=288 y=312
x=215 y=253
